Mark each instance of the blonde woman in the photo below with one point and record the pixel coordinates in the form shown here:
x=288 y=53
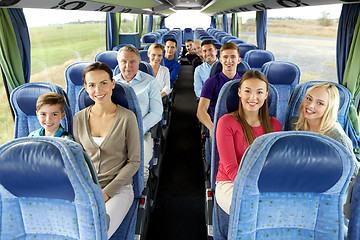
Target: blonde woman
x=162 y=74
x=318 y=113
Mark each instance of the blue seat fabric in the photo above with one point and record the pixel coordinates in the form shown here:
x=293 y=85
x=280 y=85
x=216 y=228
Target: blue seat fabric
x=291 y=185
x=108 y=57
x=285 y=76
x=46 y=191
x=257 y=58
x=74 y=82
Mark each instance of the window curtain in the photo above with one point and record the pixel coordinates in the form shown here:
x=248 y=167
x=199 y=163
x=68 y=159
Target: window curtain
x=139 y=24
x=352 y=78
x=225 y=23
x=347 y=22
x=234 y=23
x=10 y=56
x=213 y=22
x=112 y=30
x=162 y=23
x=151 y=20
x=22 y=38
x=261 y=25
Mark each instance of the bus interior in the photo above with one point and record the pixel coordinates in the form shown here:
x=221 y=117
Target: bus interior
x=46 y=45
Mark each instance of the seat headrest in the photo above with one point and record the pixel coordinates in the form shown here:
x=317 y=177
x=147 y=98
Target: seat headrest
x=293 y=162
x=256 y=58
x=279 y=72
x=244 y=47
x=149 y=38
x=108 y=57
x=26 y=98
x=118 y=96
x=74 y=72
x=35 y=169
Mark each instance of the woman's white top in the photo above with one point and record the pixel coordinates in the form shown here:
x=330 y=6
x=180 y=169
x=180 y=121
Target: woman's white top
x=98 y=140
x=163 y=77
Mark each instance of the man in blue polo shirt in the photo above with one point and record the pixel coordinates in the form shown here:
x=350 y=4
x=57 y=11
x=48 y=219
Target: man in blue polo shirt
x=202 y=72
x=147 y=91
x=229 y=59
x=170 y=60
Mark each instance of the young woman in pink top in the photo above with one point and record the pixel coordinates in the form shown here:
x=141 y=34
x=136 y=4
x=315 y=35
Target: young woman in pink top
x=237 y=130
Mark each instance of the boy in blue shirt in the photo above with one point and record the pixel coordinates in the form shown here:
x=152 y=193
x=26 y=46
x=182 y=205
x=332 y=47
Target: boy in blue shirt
x=50 y=110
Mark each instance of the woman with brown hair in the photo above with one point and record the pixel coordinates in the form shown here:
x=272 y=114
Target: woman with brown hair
x=237 y=130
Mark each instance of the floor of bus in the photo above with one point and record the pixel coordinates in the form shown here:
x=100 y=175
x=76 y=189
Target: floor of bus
x=179 y=211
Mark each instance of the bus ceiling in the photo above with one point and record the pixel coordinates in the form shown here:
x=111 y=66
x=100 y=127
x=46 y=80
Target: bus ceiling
x=166 y=7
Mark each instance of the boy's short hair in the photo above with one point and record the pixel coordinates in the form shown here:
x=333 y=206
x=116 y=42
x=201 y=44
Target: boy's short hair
x=208 y=41
x=171 y=40
x=189 y=40
x=228 y=46
x=51 y=98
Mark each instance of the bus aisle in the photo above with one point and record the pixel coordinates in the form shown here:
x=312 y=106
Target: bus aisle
x=179 y=208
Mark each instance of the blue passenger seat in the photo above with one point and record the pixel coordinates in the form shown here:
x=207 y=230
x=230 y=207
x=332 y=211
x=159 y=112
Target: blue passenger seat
x=108 y=57
x=49 y=190
x=149 y=38
x=244 y=47
x=291 y=185
x=144 y=55
x=257 y=58
x=74 y=82
x=23 y=101
x=285 y=76
x=125 y=96
x=228 y=101
x=237 y=41
x=354 y=222
x=188 y=34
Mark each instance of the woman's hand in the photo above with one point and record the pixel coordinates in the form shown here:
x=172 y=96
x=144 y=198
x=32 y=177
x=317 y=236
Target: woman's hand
x=106 y=197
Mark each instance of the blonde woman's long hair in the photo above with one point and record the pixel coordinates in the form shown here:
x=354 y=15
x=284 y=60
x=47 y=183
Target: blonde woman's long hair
x=330 y=116
x=264 y=117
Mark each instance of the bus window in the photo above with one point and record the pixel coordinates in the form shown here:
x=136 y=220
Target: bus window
x=181 y=20
x=219 y=22
x=307 y=37
x=229 y=19
x=6 y=121
x=59 y=38
x=156 y=23
x=128 y=23
x=247 y=27
x=145 y=24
